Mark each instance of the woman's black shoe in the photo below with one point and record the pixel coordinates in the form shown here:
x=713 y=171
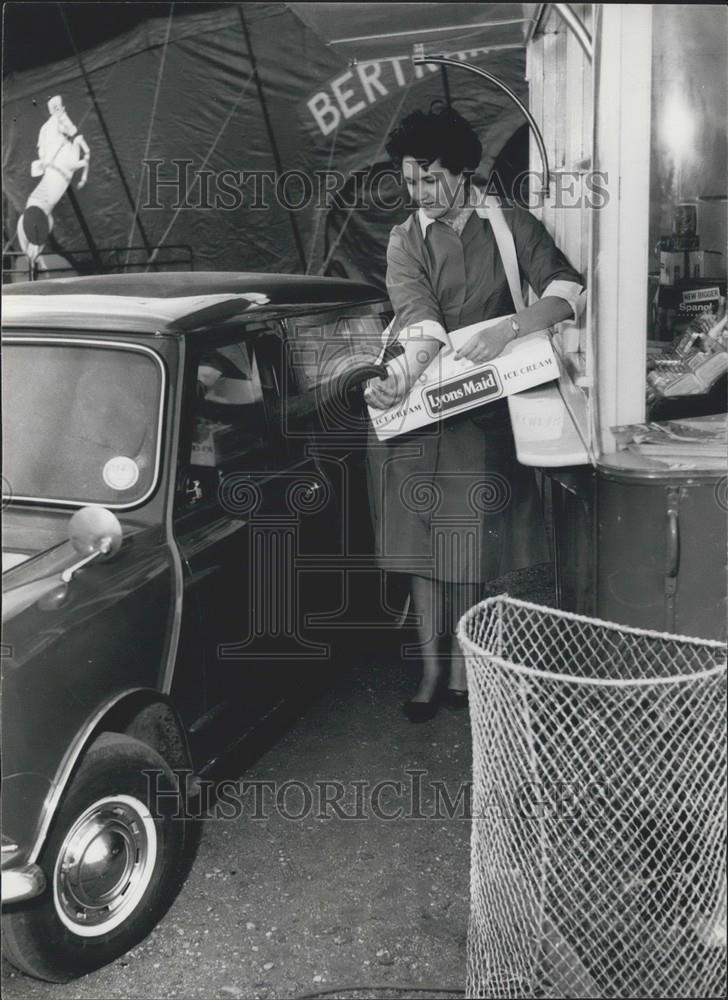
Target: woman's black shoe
x=420 y=711
x=456 y=699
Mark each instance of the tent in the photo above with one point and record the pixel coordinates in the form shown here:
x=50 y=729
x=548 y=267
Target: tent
x=251 y=136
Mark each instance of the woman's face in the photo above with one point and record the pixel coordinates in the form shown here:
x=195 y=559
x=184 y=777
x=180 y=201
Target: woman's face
x=436 y=190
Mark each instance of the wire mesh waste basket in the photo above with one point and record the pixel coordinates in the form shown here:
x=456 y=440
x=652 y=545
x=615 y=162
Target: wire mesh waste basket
x=599 y=816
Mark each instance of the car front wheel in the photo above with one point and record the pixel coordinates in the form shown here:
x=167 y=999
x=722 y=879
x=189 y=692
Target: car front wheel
x=113 y=863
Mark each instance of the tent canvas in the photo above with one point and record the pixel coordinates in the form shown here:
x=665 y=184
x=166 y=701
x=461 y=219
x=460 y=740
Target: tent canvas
x=230 y=131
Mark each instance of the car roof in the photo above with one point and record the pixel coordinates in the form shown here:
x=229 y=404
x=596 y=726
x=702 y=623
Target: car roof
x=173 y=302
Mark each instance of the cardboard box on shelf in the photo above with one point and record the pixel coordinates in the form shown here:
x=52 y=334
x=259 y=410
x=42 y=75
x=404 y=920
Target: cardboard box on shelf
x=673 y=266
x=706 y=264
x=448 y=386
x=208 y=442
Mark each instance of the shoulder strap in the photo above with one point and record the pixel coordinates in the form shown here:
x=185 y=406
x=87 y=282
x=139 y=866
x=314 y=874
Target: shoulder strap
x=506 y=247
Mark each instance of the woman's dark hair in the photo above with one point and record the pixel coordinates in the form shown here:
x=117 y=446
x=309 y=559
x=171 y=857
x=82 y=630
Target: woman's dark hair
x=438 y=134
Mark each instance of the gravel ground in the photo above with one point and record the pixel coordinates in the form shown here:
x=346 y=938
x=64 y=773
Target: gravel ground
x=278 y=906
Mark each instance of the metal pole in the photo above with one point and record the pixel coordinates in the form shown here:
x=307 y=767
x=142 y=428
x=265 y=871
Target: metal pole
x=446 y=61
x=445 y=85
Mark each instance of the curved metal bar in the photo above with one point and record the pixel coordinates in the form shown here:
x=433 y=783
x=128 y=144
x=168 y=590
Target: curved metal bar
x=572 y=21
x=446 y=61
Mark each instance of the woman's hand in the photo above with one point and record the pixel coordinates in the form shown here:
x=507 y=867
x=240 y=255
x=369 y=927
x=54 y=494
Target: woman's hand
x=487 y=344
x=384 y=393
x=404 y=370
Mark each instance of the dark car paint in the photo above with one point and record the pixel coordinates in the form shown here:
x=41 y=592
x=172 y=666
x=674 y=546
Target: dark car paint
x=281 y=289
x=136 y=621
x=66 y=661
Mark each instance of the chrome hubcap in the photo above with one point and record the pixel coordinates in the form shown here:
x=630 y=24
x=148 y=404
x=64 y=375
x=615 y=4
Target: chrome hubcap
x=104 y=865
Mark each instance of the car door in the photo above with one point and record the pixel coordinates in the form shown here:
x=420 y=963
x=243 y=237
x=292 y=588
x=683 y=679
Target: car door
x=253 y=509
x=332 y=353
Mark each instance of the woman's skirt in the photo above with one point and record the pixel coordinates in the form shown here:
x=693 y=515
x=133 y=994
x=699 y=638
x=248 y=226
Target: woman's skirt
x=451 y=501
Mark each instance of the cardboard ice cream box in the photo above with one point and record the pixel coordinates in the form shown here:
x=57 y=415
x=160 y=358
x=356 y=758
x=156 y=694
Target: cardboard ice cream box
x=448 y=386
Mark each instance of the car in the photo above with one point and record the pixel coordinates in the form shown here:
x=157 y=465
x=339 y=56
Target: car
x=179 y=492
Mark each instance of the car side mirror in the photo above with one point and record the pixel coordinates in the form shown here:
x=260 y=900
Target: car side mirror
x=95 y=533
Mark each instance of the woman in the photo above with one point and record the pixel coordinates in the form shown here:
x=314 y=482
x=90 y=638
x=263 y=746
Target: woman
x=452 y=506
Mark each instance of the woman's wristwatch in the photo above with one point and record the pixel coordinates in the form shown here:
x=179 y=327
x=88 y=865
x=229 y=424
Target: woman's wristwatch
x=515 y=326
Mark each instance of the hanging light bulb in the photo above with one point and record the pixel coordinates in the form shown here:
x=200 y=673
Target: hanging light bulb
x=677 y=126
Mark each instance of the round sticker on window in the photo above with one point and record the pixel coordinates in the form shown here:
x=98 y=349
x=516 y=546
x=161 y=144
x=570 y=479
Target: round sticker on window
x=121 y=473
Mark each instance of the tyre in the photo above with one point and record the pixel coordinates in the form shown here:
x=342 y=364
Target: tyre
x=113 y=863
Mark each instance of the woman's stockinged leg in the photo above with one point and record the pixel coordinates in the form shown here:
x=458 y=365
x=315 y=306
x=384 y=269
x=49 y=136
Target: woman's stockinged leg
x=429 y=599
x=460 y=597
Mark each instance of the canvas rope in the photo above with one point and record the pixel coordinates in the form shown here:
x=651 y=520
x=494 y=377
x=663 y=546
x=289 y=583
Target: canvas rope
x=152 y=116
x=208 y=154
x=321 y=211
x=375 y=160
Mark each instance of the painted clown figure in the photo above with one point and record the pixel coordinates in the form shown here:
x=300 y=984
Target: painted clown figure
x=62 y=151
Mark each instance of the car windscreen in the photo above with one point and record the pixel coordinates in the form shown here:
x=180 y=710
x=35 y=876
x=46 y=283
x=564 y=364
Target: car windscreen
x=81 y=421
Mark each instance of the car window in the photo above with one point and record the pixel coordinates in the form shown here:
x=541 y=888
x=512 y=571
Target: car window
x=235 y=418
x=327 y=355
x=81 y=421
x=325 y=346
x=229 y=412
x=260 y=396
